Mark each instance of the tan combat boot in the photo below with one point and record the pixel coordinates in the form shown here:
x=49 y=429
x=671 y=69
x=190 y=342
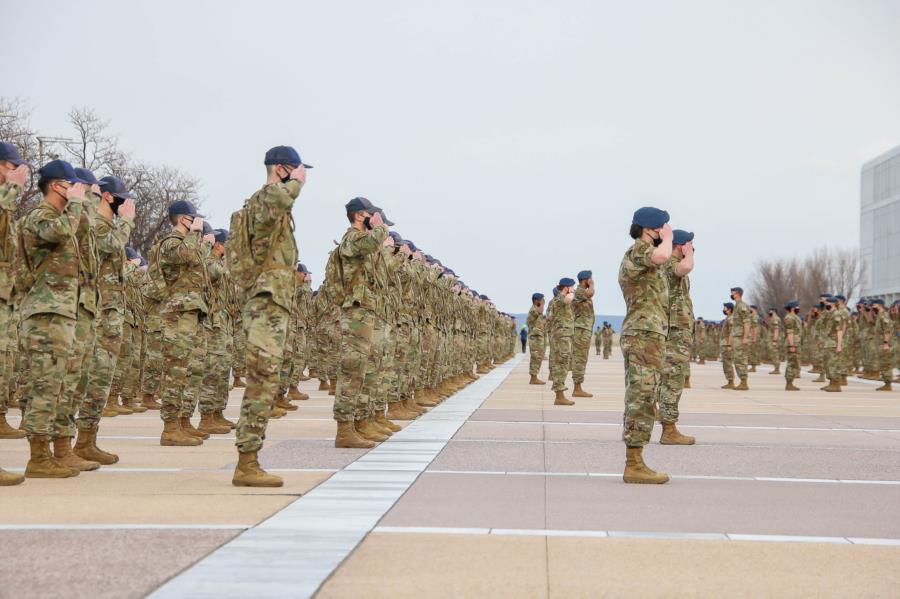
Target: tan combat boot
x=348 y=438
x=173 y=436
x=109 y=409
x=62 y=451
x=790 y=386
x=411 y=406
x=687 y=382
x=777 y=370
x=381 y=428
x=885 y=387
x=636 y=471
x=832 y=387
x=753 y=368
x=672 y=436
x=149 y=402
x=367 y=430
x=248 y=473
x=819 y=379
x=425 y=399
x=277 y=413
x=323 y=385
x=482 y=369
x=702 y=361
x=397 y=411
x=220 y=418
x=561 y=399
x=134 y=406
x=41 y=464
x=8 y=432
x=9 y=479
x=843 y=382
x=238 y=383
x=296 y=394
x=282 y=402
x=332 y=387
x=86 y=448
x=313 y=374
x=579 y=392
x=304 y=377
x=743 y=386
x=381 y=419
x=728 y=385
x=113 y=401
x=188 y=429
x=209 y=424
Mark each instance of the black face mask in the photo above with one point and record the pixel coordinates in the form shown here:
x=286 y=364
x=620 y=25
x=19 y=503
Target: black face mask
x=286 y=178
x=725 y=312
x=368 y=222
x=117 y=202
x=657 y=241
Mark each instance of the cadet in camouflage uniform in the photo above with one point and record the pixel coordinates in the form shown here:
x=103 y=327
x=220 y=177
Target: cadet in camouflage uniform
x=643 y=336
x=753 y=355
x=356 y=258
x=741 y=324
x=13 y=174
x=774 y=341
x=598 y=339
x=697 y=353
x=561 y=329
x=267 y=312
x=536 y=322
x=129 y=354
x=607 y=335
x=793 y=334
x=842 y=313
x=300 y=314
x=47 y=279
x=238 y=370
x=833 y=330
x=883 y=331
x=583 y=311
x=726 y=347
x=677 y=360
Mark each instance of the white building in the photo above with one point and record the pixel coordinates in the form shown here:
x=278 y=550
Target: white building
x=879 y=226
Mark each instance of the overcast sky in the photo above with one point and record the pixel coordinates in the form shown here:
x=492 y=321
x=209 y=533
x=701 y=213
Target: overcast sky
x=512 y=140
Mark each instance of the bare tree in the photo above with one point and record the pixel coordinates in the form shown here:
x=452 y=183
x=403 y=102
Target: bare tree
x=824 y=270
x=15 y=128
x=93 y=147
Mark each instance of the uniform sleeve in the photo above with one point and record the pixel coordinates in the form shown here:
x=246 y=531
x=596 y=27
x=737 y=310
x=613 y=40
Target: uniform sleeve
x=638 y=261
x=112 y=238
x=363 y=243
x=8 y=194
x=275 y=200
x=181 y=251
x=52 y=227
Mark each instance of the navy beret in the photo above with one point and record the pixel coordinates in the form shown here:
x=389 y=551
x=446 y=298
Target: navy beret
x=131 y=253
x=681 y=237
x=10 y=152
x=221 y=235
x=584 y=275
x=729 y=305
x=537 y=296
x=738 y=289
x=792 y=304
x=877 y=300
x=840 y=297
x=284 y=155
x=650 y=217
x=566 y=282
x=183 y=208
x=115 y=186
x=60 y=169
x=87 y=176
x=358 y=204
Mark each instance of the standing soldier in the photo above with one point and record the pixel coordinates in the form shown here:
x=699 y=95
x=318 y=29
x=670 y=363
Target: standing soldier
x=842 y=313
x=536 y=323
x=793 y=333
x=725 y=346
x=755 y=338
x=832 y=331
x=742 y=321
x=774 y=324
x=13 y=173
x=267 y=279
x=607 y=334
x=561 y=331
x=598 y=339
x=699 y=340
x=47 y=280
x=883 y=331
x=583 y=310
x=677 y=360
x=643 y=337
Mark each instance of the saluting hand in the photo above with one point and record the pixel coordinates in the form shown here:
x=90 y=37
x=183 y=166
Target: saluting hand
x=18 y=175
x=299 y=174
x=127 y=208
x=76 y=192
x=375 y=220
x=197 y=224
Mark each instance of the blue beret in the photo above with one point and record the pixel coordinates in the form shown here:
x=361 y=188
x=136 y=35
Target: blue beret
x=877 y=300
x=484 y=297
x=792 y=304
x=10 y=152
x=755 y=307
x=131 y=253
x=87 y=176
x=738 y=289
x=60 y=169
x=183 y=208
x=207 y=228
x=396 y=237
x=115 y=186
x=302 y=268
x=584 y=275
x=537 y=296
x=284 y=155
x=729 y=305
x=221 y=235
x=566 y=282
x=840 y=297
x=681 y=237
x=649 y=217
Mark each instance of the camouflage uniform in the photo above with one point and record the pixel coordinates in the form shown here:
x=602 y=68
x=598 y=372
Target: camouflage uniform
x=678 y=342
x=607 y=335
x=643 y=339
x=741 y=315
x=583 y=311
x=561 y=332
x=214 y=388
x=129 y=354
x=726 y=348
x=8 y=194
x=111 y=239
x=598 y=340
x=884 y=360
x=267 y=313
x=356 y=376
x=536 y=322
x=775 y=345
x=48 y=310
x=793 y=325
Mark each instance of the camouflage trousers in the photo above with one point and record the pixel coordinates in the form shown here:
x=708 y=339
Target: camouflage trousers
x=357 y=330
x=191 y=396
x=741 y=356
x=728 y=362
x=607 y=349
x=405 y=366
x=560 y=360
x=328 y=343
x=152 y=373
x=581 y=349
x=7 y=352
x=884 y=364
x=239 y=356
x=47 y=341
x=676 y=368
x=107 y=343
x=214 y=387
x=300 y=357
x=643 y=362
x=129 y=354
x=792 y=366
x=77 y=368
x=381 y=363
x=266 y=326
x=536 y=347
x=180 y=333
x=831 y=364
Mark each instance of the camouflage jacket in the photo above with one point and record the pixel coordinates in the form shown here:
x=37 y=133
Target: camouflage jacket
x=134 y=300
x=111 y=240
x=51 y=252
x=740 y=316
x=535 y=322
x=793 y=325
x=221 y=292
x=88 y=259
x=359 y=251
x=562 y=318
x=681 y=309
x=645 y=291
x=269 y=214
x=183 y=264
x=583 y=309
x=8 y=194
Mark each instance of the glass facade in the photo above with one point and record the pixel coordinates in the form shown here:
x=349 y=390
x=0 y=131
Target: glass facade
x=880 y=225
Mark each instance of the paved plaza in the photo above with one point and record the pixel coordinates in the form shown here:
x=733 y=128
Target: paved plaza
x=495 y=493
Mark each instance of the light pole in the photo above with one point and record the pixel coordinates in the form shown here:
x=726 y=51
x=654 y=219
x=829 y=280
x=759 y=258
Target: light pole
x=49 y=139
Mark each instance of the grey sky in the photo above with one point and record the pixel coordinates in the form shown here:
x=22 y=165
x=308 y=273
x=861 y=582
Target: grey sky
x=513 y=140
